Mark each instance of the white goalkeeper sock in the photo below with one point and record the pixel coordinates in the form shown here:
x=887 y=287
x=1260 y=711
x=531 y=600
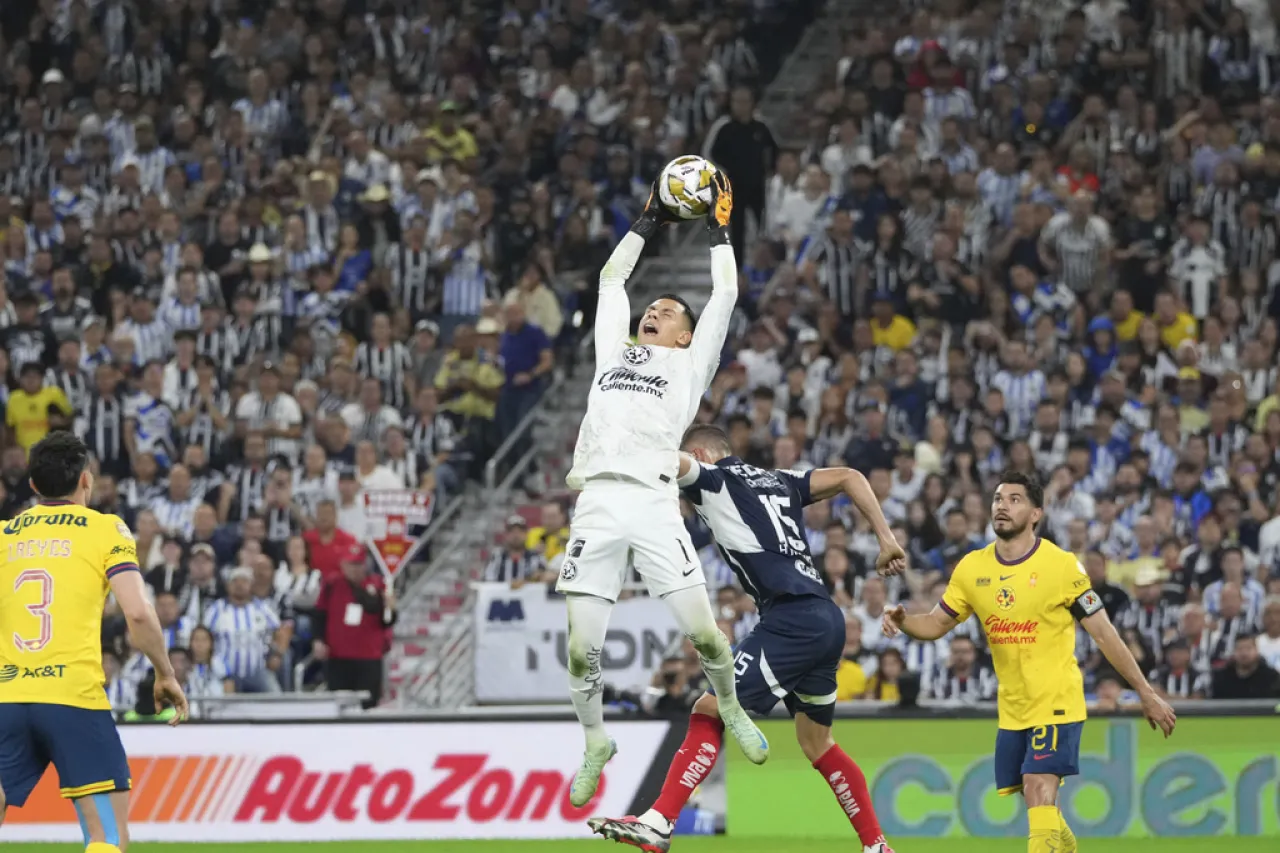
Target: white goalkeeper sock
x=692 y=610
x=588 y=624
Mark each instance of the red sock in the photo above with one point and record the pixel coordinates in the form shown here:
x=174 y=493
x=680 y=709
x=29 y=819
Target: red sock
x=691 y=765
x=850 y=787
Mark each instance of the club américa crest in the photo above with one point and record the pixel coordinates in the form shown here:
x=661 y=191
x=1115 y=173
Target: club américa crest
x=1005 y=598
x=637 y=355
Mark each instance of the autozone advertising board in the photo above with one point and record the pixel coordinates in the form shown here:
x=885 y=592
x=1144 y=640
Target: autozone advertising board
x=355 y=781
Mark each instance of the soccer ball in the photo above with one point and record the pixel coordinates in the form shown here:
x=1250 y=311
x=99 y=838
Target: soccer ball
x=685 y=186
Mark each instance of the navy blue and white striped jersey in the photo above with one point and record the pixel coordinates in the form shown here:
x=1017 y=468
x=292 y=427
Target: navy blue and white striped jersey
x=757 y=518
x=242 y=634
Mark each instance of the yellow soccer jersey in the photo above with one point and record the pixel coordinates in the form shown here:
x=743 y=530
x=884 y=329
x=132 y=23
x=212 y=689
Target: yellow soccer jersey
x=1028 y=610
x=55 y=560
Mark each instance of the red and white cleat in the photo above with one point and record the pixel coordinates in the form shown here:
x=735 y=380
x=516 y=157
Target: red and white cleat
x=629 y=830
x=878 y=847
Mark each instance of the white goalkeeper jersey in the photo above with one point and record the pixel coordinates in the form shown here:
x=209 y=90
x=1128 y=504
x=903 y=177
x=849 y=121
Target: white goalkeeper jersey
x=643 y=397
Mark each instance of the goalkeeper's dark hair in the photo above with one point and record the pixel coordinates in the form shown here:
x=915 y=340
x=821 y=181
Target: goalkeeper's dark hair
x=709 y=436
x=1029 y=482
x=688 y=309
x=55 y=464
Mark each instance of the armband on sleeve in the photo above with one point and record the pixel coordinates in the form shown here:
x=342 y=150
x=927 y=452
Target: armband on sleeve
x=1086 y=605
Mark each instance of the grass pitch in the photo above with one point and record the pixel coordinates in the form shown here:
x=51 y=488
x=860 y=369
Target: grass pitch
x=699 y=844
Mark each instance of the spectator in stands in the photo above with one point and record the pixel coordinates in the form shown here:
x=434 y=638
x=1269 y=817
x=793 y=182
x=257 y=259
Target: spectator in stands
x=351 y=617
x=327 y=542
x=516 y=563
x=349 y=508
x=856 y=665
x=245 y=630
x=1246 y=676
x=209 y=675
x=551 y=537
x=527 y=360
x=34 y=408
x=884 y=685
x=872 y=601
x=1178 y=677
x=296 y=581
x=963 y=678
x=675 y=693
x=1112 y=696
x=1269 y=639
x=469 y=383
x=176 y=626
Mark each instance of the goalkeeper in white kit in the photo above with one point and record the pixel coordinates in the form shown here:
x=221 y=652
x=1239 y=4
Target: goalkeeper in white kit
x=644 y=395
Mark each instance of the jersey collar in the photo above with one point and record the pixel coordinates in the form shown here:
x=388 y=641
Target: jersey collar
x=1022 y=559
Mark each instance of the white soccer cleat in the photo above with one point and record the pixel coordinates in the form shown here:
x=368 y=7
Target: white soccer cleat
x=587 y=779
x=879 y=847
x=633 y=832
x=755 y=746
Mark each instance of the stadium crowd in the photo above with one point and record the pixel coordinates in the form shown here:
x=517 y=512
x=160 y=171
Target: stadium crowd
x=1039 y=237
x=265 y=257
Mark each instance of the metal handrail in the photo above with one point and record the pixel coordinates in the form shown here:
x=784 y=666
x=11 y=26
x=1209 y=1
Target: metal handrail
x=448 y=671
x=525 y=425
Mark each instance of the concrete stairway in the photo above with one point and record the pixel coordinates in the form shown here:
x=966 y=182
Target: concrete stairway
x=808 y=66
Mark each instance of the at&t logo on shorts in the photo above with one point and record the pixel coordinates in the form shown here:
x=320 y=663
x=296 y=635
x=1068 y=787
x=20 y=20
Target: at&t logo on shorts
x=637 y=355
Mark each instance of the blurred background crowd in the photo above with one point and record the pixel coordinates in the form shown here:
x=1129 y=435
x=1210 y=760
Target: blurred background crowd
x=265 y=257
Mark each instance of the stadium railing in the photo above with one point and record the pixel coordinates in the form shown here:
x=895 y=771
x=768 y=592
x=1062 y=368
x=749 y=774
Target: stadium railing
x=280 y=706
x=444 y=677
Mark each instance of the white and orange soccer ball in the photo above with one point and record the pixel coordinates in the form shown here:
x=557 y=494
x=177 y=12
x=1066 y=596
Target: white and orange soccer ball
x=685 y=186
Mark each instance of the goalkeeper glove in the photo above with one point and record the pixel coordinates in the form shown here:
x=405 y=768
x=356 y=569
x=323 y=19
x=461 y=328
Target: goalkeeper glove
x=720 y=209
x=655 y=215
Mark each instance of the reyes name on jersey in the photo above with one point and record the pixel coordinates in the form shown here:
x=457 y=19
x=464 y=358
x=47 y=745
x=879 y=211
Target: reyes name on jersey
x=757 y=518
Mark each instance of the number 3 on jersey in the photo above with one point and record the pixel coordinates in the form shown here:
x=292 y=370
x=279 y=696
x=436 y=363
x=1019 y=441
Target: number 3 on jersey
x=39 y=609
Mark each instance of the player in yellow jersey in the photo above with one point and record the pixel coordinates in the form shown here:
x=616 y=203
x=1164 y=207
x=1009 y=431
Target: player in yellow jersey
x=58 y=562
x=1026 y=591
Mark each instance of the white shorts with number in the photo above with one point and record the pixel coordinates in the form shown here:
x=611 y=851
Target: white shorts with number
x=617 y=517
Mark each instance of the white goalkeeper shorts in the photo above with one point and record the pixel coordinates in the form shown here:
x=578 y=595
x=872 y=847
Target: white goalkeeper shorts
x=617 y=517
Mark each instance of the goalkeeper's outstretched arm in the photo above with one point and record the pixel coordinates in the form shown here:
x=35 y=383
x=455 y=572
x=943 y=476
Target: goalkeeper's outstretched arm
x=613 y=310
x=713 y=325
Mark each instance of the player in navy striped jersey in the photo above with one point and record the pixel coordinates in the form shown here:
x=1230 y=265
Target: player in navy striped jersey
x=757 y=518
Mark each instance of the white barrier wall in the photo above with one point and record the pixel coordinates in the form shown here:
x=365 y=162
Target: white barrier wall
x=394 y=780
x=522 y=636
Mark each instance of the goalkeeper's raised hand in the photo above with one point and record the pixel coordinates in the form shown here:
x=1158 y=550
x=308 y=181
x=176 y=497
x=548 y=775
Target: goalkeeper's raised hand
x=720 y=210
x=654 y=216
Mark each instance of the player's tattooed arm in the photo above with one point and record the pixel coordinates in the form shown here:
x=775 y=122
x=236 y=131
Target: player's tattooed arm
x=929 y=626
x=1157 y=711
